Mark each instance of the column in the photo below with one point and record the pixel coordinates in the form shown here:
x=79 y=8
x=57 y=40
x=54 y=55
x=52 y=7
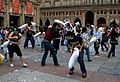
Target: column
x=22 y=16
x=38 y=15
x=95 y=17
x=108 y=18
x=34 y=13
x=83 y=17
x=6 y=17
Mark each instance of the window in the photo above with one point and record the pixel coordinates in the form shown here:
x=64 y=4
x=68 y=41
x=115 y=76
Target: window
x=56 y=13
x=114 y=12
x=74 y=13
x=110 y=11
x=101 y=11
x=98 y=12
x=80 y=13
x=77 y=12
x=119 y=12
x=105 y=12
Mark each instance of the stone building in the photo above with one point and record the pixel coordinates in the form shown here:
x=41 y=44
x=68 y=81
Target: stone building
x=85 y=11
x=18 y=12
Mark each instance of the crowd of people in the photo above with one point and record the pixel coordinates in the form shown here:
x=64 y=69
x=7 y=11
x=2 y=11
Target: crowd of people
x=76 y=38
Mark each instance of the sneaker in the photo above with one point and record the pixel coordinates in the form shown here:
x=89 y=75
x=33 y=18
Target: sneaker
x=11 y=65
x=71 y=71
x=43 y=64
x=84 y=75
x=89 y=60
x=57 y=65
x=96 y=56
x=24 y=65
x=6 y=60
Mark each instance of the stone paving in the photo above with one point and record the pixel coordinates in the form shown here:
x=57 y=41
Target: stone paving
x=101 y=69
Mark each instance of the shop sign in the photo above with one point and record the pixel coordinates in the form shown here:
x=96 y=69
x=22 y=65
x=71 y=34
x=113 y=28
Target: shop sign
x=1 y=6
x=29 y=9
x=15 y=6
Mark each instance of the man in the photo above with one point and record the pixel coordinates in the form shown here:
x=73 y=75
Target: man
x=77 y=44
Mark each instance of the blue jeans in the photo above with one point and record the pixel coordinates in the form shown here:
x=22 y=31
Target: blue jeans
x=42 y=44
x=81 y=62
x=87 y=52
x=49 y=47
x=31 y=40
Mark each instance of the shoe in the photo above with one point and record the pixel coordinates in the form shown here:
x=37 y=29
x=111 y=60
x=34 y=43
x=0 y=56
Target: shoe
x=108 y=56
x=84 y=75
x=6 y=60
x=113 y=55
x=56 y=64
x=71 y=71
x=89 y=60
x=24 y=65
x=11 y=65
x=43 y=64
x=96 y=56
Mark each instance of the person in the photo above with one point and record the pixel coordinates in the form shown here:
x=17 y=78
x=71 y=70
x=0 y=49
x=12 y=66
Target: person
x=77 y=46
x=49 y=47
x=29 y=36
x=5 y=48
x=56 y=40
x=98 y=34
x=13 y=46
x=113 y=40
x=68 y=28
x=86 y=37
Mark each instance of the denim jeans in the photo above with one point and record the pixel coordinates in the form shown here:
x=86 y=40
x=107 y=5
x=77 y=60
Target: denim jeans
x=49 y=47
x=42 y=44
x=81 y=62
x=31 y=40
x=112 y=50
x=87 y=52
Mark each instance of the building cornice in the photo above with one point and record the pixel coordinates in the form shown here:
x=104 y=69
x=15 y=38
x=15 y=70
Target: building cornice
x=82 y=7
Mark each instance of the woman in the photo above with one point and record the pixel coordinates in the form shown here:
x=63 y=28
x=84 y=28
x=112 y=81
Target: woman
x=113 y=41
x=14 y=38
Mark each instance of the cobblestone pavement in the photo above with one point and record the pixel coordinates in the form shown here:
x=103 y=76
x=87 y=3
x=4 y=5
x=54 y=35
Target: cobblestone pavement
x=101 y=69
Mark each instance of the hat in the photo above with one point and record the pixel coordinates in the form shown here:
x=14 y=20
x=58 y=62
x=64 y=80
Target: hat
x=50 y=26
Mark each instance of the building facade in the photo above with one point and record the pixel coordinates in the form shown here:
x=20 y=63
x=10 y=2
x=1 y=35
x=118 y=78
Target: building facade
x=83 y=11
x=18 y=12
